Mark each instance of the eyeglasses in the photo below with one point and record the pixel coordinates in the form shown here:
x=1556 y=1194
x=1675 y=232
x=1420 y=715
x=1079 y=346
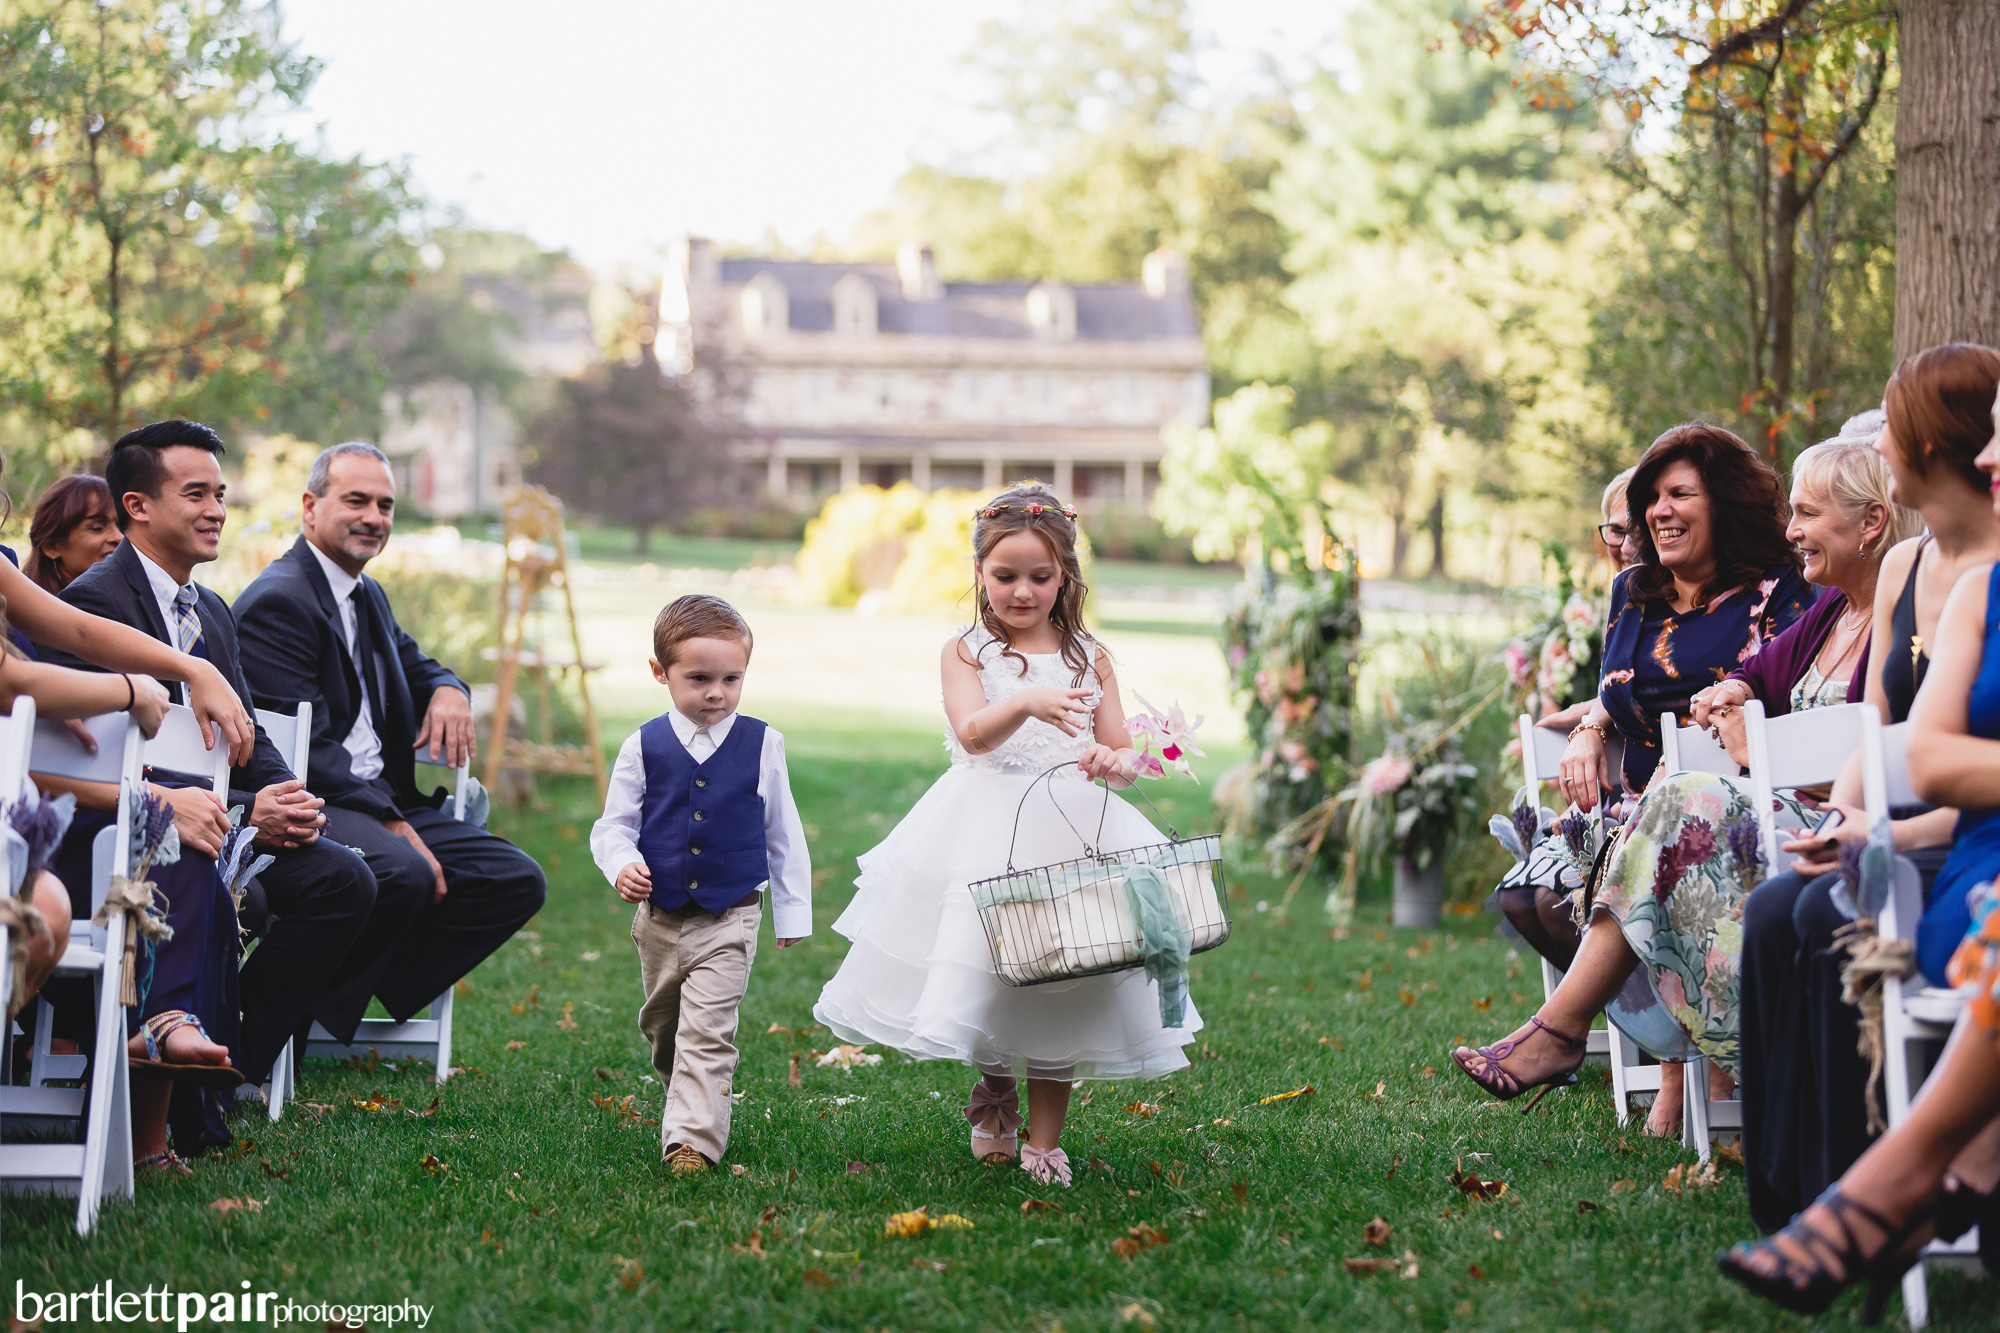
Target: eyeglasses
x=1613 y=534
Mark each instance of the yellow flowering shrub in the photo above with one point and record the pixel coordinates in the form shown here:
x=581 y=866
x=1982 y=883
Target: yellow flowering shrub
x=857 y=542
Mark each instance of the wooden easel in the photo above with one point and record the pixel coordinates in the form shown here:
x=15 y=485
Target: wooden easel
x=536 y=560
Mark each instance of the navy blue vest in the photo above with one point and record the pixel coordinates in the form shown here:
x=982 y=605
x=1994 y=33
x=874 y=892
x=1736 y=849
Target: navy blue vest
x=701 y=828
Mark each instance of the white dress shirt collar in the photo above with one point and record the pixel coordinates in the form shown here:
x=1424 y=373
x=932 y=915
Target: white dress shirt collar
x=342 y=582
x=163 y=585
x=686 y=729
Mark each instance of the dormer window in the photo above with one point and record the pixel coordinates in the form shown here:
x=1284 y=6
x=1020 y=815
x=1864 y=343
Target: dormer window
x=854 y=307
x=766 y=308
x=1052 y=311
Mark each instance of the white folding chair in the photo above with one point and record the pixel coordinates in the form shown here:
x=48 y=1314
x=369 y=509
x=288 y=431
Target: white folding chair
x=426 y=1038
x=292 y=734
x=101 y=1166
x=1541 y=754
x=1914 y=1013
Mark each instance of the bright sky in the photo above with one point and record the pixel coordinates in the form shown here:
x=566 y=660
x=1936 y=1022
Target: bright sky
x=607 y=126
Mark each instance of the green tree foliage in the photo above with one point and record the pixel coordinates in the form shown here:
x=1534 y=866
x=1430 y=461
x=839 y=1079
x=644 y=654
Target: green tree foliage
x=627 y=444
x=1251 y=487
x=1772 y=103
x=1436 y=223
x=1123 y=161
x=163 y=249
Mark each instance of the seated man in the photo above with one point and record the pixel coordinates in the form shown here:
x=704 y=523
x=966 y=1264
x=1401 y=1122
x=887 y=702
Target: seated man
x=317 y=630
x=314 y=961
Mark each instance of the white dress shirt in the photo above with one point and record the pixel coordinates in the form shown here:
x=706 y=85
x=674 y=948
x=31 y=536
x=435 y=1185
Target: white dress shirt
x=164 y=591
x=614 y=839
x=363 y=746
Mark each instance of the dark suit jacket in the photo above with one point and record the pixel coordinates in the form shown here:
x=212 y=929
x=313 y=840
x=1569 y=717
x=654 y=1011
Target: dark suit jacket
x=116 y=588
x=296 y=652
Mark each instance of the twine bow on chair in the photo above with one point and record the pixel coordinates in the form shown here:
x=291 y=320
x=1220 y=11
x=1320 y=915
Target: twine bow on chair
x=25 y=925
x=142 y=918
x=1870 y=960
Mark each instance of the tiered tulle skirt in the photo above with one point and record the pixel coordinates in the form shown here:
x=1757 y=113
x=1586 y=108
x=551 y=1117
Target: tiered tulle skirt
x=919 y=977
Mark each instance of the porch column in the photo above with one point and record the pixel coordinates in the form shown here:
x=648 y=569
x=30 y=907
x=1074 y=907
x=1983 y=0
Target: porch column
x=774 y=473
x=991 y=478
x=850 y=469
x=1135 y=483
x=1064 y=479
x=920 y=471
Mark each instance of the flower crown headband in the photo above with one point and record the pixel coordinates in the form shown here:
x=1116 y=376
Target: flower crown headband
x=994 y=511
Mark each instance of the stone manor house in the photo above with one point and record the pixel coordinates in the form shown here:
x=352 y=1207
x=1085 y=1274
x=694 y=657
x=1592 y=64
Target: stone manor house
x=879 y=372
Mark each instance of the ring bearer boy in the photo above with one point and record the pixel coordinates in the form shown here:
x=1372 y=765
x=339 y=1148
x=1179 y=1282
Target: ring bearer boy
x=698 y=822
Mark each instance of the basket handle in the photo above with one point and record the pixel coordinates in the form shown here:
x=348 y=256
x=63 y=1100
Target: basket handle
x=1104 y=812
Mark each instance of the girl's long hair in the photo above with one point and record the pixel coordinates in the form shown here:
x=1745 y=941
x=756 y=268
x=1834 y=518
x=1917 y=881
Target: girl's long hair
x=1031 y=507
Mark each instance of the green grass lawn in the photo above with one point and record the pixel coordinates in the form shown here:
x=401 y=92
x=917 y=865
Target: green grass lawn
x=531 y=1197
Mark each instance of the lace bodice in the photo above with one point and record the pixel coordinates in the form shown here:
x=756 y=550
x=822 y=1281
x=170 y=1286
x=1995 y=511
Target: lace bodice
x=1037 y=746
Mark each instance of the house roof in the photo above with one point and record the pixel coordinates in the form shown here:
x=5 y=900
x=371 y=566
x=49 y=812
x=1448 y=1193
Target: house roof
x=1109 y=312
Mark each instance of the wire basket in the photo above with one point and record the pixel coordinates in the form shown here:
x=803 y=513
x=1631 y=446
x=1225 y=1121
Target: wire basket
x=1075 y=918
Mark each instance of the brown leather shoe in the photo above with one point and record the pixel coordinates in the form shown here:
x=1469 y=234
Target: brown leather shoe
x=685 y=1161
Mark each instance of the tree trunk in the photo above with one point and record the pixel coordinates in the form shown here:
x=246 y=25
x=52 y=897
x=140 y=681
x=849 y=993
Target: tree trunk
x=1399 y=540
x=642 y=538
x=1783 y=308
x=1435 y=522
x=1948 y=175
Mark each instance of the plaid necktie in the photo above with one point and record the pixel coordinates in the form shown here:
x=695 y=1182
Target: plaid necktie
x=187 y=625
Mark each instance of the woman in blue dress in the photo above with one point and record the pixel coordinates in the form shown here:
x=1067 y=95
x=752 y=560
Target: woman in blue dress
x=1716 y=580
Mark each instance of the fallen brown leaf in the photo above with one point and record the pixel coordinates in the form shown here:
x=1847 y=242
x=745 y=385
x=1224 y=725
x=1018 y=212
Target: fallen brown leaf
x=1474 y=1270
x=431 y=1164
x=606 y=1074
x=1380 y=1084
x=1408 y=996
x=567 y=1022
x=1286 y=1096
x=1368 y=1267
x=1144 y=1110
x=1242 y=1192
x=275 y=1172
x=1624 y=1186
x=630 y=1272
x=1429 y=1071
x=1585 y=1206
x=1470 y=1185
x=228 y=1206
x=1136 y=1313
x=516 y=1045
x=1483 y=1003
x=1039 y=1206
x=815 y=1278
x=1377 y=1232
x=1125 y=1247
x=428 y=1111
x=1391 y=1172
x=792 y=1076
x=1730 y=1152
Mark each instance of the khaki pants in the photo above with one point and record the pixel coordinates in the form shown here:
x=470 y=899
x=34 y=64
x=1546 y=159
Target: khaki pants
x=694 y=970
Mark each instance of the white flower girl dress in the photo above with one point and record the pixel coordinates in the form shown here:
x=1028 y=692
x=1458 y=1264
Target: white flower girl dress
x=920 y=975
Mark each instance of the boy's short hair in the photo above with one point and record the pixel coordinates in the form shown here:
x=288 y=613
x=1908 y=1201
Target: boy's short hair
x=135 y=463
x=697 y=616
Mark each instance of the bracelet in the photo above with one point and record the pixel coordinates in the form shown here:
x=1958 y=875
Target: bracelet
x=131 y=691
x=1603 y=733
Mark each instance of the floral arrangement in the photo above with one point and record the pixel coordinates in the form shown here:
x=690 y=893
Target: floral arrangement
x=1414 y=800
x=1553 y=665
x=155 y=841
x=1174 y=736
x=41 y=821
x=1292 y=647
x=240 y=862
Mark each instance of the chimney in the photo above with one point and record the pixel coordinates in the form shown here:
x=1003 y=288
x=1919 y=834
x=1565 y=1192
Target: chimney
x=918 y=270
x=1165 y=273
x=1052 y=311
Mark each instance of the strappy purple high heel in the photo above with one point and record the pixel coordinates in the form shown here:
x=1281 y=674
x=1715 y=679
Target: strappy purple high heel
x=1503 y=1086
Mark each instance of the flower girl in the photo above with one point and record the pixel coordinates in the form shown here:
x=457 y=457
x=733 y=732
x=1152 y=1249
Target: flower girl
x=1025 y=690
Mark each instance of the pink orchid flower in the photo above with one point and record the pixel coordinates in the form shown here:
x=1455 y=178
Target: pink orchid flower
x=1174 y=735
